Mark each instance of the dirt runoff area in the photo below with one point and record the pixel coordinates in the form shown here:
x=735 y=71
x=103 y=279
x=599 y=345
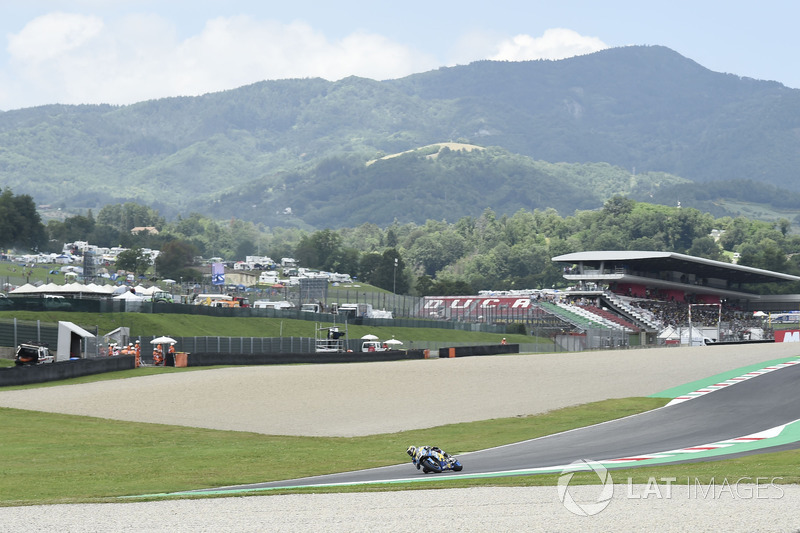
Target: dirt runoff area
x=370 y=398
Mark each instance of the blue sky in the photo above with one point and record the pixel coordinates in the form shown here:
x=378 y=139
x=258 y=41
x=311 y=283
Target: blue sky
x=124 y=51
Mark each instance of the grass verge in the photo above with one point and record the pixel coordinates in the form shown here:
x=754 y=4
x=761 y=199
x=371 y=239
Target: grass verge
x=54 y=458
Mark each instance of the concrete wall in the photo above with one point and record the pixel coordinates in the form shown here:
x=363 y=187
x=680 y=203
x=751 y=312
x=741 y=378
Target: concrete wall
x=23 y=375
x=212 y=359
x=491 y=349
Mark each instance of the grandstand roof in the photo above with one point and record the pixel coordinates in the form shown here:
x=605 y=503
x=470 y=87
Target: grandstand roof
x=645 y=261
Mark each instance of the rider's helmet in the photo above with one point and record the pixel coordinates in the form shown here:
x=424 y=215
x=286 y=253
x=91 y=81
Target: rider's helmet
x=412 y=451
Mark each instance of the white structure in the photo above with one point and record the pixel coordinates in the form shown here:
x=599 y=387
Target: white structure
x=268 y=276
x=69 y=341
x=268 y=304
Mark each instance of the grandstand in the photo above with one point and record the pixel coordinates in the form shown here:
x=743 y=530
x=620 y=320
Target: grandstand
x=622 y=298
x=657 y=290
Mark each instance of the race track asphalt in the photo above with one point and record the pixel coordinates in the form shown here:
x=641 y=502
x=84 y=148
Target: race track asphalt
x=748 y=407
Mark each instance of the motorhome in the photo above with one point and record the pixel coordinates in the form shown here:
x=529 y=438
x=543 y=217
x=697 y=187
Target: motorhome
x=361 y=310
x=269 y=277
x=268 y=304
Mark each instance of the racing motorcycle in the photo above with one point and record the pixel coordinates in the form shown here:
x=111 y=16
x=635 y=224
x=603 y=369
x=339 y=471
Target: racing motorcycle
x=435 y=460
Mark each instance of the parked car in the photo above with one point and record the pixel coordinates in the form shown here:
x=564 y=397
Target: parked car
x=33 y=353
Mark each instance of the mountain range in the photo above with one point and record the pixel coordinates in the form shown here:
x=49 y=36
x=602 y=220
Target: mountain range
x=639 y=121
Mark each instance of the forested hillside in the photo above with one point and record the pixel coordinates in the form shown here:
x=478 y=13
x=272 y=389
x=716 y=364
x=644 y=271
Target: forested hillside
x=488 y=251
x=638 y=121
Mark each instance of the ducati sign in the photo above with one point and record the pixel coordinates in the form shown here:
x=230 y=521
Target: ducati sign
x=459 y=303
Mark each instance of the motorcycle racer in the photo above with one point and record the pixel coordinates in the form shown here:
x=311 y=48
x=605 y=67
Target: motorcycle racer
x=417 y=453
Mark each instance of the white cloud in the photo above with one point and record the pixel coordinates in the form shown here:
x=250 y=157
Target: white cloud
x=70 y=58
x=52 y=36
x=74 y=59
x=556 y=43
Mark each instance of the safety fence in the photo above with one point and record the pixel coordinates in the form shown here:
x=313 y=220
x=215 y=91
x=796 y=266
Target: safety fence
x=14 y=332
x=124 y=306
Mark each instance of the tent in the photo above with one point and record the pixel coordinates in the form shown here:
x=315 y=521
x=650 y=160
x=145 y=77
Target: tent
x=146 y=291
x=25 y=289
x=129 y=296
x=698 y=338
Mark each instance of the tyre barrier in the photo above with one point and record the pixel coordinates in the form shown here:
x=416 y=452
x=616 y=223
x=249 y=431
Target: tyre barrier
x=24 y=375
x=466 y=351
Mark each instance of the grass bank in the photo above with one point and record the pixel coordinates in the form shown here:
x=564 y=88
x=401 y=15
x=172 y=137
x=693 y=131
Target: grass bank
x=176 y=325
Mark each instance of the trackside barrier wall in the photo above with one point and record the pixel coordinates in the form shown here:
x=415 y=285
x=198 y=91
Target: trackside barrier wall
x=491 y=349
x=257 y=345
x=23 y=375
x=213 y=359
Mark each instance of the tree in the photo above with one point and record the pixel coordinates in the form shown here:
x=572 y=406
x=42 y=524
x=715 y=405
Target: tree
x=618 y=206
x=784 y=225
x=125 y=217
x=389 y=273
x=20 y=223
x=391 y=238
x=436 y=250
x=424 y=285
x=133 y=260
x=705 y=247
x=319 y=250
x=368 y=265
x=77 y=228
x=243 y=249
x=175 y=258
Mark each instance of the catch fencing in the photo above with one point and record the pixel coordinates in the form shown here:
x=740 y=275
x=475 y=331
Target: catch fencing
x=14 y=332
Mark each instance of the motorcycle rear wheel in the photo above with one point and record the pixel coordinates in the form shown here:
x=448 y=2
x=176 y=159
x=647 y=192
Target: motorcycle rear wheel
x=430 y=464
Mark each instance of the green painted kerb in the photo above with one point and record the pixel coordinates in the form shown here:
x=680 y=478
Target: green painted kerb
x=686 y=388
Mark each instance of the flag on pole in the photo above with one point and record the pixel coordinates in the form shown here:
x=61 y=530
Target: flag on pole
x=217 y=274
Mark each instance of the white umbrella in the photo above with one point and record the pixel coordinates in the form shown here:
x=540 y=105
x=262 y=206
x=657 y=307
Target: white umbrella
x=170 y=281
x=393 y=341
x=369 y=337
x=163 y=340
